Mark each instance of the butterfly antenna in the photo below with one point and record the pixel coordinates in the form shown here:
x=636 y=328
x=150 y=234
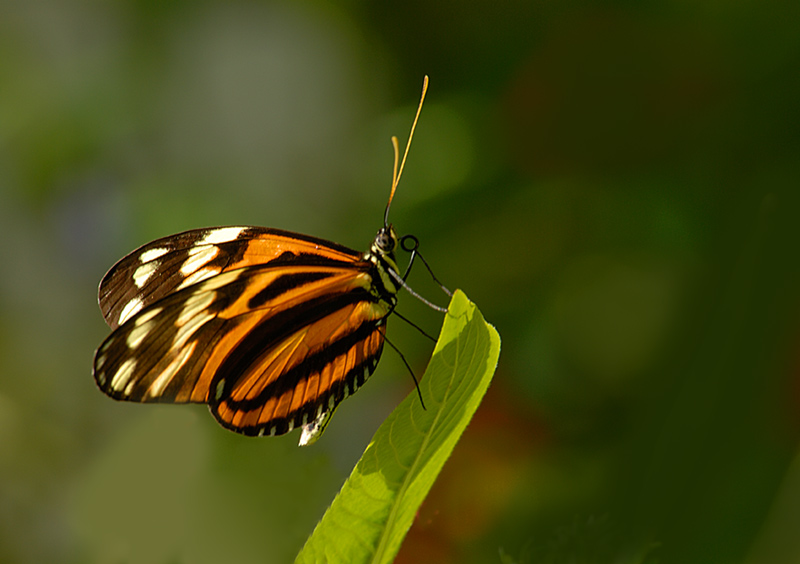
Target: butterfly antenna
x=397 y=172
x=413 y=376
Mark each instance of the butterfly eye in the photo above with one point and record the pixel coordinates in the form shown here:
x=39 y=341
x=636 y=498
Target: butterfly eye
x=385 y=241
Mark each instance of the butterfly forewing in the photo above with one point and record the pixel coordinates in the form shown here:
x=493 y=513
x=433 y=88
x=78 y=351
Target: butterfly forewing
x=166 y=265
x=270 y=345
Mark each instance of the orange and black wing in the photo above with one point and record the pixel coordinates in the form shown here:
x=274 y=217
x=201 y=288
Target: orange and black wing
x=268 y=346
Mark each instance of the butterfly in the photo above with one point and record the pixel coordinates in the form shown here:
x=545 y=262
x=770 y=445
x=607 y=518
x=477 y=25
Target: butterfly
x=272 y=329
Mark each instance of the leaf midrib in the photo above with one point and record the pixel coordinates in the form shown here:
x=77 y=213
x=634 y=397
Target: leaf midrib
x=377 y=557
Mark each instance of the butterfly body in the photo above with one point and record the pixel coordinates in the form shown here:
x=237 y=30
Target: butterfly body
x=272 y=329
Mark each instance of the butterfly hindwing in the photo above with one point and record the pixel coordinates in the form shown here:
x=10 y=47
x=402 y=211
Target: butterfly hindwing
x=305 y=374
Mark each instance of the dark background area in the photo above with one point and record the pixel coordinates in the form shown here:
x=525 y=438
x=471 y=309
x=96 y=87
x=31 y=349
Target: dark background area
x=615 y=184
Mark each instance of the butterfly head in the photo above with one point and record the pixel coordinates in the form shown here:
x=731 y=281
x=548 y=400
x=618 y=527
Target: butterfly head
x=385 y=242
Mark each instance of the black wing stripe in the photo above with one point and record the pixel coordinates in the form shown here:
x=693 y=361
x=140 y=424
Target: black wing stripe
x=290 y=258
x=283 y=284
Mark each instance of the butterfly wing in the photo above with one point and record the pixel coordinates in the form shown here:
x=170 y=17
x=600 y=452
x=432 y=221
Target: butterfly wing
x=269 y=347
x=173 y=263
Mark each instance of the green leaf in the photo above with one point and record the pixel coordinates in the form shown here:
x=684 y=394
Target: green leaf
x=376 y=506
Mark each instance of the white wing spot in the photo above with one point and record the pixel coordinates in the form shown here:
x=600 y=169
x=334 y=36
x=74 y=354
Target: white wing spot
x=169 y=372
x=189 y=328
x=222 y=279
x=198 y=276
x=101 y=360
x=137 y=334
x=223 y=235
x=220 y=389
x=145 y=317
x=198 y=256
x=153 y=254
x=130 y=309
x=194 y=305
x=142 y=274
x=123 y=374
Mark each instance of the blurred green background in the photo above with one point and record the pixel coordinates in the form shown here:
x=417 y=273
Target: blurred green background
x=615 y=184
